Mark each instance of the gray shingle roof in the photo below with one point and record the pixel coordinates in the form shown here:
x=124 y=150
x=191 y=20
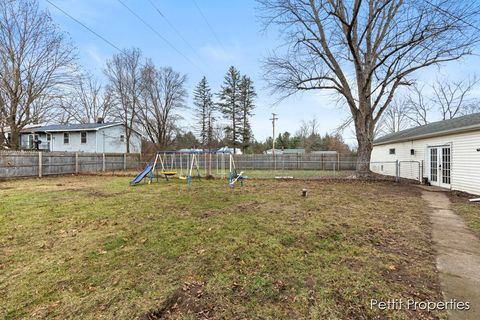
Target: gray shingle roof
x=70 y=127
x=433 y=129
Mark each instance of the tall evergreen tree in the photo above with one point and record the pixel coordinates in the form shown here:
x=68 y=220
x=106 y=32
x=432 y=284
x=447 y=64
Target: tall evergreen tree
x=247 y=94
x=230 y=98
x=204 y=110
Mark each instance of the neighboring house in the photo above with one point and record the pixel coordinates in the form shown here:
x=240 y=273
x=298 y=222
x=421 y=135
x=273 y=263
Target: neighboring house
x=190 y=150
x=228 y=150
x=90 y=137
x=285 y=151
x=330 y=153
x=448 y=151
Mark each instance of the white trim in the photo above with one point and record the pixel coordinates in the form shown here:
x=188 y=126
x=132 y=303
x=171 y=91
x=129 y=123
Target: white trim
x=439 y=166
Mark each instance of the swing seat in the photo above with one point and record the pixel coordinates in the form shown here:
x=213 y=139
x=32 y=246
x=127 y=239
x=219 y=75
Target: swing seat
x=182 y=178
x=169 y=173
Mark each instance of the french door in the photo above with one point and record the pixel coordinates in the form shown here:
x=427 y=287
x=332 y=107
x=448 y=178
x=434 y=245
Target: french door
x=440 y=166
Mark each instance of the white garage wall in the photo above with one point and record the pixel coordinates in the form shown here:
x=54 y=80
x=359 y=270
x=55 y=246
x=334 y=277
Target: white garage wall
x=465 y=174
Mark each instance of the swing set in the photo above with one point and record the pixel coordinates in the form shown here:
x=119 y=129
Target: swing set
x=167 y=163
x=185 y=166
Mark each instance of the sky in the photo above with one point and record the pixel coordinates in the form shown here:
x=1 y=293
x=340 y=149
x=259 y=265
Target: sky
x=208 y=36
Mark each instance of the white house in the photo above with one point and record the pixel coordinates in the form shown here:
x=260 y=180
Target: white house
x=90 y=137
x=229 y=150
x=447 y=153
x=285 y=151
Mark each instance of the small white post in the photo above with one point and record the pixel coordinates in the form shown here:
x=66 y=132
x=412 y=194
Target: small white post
x=125 y=162
x=76 y=162
x=40 y=164
x=209 y=163
x=103 y=162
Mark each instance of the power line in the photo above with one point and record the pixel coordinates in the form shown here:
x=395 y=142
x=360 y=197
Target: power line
x=172 y=26
x=156 y=32
x=208 y=24
x=85 y=26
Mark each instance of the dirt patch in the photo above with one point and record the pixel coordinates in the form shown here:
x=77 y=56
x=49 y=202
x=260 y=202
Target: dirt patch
x=189 y=300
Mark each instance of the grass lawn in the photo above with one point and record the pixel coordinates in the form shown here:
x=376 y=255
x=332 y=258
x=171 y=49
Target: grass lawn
x=297 y=173
x=470 y=211
x=94 y=247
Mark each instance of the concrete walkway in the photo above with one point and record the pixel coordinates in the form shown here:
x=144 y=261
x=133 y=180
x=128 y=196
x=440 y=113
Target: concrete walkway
x=458 y=255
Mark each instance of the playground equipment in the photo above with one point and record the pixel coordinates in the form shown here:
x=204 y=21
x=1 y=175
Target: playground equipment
x=234 y=175
x=188 y=165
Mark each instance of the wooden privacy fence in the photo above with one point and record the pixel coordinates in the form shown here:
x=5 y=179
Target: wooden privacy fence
x=33 y=163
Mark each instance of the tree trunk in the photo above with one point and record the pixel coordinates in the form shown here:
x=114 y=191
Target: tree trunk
x=364 y=153
x=364 y=132
x=127 y=138
x=3 y=139
x=14 y=142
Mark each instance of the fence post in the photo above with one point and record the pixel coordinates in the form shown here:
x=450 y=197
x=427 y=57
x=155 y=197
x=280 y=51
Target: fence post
x=103 y=162
x=76 y=163
x=124 y=162
x=40 y=164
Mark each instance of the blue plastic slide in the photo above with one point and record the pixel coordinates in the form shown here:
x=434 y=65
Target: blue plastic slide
x=142 y=175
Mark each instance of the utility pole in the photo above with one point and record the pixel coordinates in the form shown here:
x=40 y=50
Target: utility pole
x=274 y=118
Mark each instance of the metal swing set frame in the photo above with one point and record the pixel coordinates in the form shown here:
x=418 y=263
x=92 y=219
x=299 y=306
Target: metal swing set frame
x=165 y=165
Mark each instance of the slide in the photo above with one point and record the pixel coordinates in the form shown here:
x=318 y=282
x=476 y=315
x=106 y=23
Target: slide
x=142 y=175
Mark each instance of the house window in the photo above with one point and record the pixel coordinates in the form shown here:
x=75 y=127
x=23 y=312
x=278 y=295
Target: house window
x=49 y=137
x=122 y=138
x=66 y=138
x=391 y=151
x=32 y=139
x=412 y=152
x=83 y=137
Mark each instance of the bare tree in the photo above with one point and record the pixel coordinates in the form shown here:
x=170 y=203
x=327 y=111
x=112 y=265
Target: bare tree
x=88 y=103
x=454 y=97
x=124 y=72
x=36 y=63
x=163 y=95
x=418 y=106
x=309 y=134
x=3 y=124
x=365 y=50
x=395 y=118
x=449 y=99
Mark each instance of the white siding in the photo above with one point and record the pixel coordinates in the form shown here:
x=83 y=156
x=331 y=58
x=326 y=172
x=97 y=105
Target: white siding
x=106 y=140
x=74 y=144
x=465 y=167
x=109 y=140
